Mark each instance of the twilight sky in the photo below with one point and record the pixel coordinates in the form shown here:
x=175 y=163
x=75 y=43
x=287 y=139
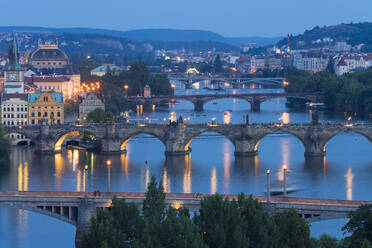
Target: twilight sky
x=227 y=17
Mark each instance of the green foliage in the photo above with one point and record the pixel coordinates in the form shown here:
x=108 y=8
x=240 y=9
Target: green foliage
x=294 y=231
x=4 y=148
x=154 y=204
x=331 y=66
x=98 y=116
x=102 y=232
x=71 y=106
x=326 y=241
x=351 y=93
x=359 y=226
x=217 y=65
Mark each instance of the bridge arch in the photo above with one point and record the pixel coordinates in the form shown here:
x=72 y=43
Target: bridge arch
x=198 y=134
x=299 y=138
x=219 y=97
x=62 y=137
x=127 y=138
x=18 y=138
x=324 y=144
x=69 y=217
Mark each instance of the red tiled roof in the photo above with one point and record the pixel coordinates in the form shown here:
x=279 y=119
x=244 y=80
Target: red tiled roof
x=16 y=95
x=47 y=79
x=342 y=62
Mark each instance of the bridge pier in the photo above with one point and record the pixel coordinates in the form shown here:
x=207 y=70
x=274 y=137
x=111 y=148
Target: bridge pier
x=86 y=210
x=246 y=148
x=255 y=105
x=198 y=106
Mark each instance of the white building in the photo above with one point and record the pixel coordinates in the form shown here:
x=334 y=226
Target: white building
x=349 y=62
x=14 y=109
x=147 y=91
x=311 y=63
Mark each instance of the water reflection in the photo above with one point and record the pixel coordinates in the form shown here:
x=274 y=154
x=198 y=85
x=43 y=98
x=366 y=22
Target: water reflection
x=349 y=183
x=213 y=181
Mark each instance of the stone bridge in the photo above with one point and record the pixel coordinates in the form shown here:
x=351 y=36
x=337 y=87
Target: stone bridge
x=77 y=209
x=255 y=99
x=177 y=136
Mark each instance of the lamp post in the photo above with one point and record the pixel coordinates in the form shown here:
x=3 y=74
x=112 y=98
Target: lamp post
x=126 y=89
x=86 y=181
x=268 y=185
x=108 y=163
x=284 y=180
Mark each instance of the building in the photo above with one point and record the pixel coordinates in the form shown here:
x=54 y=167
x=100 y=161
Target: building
x=89 y=102
x=13 y=72
x=103 y=69
x=310 y=62
x=350 y=62
x=46 y=106
x=14 y=109
x=48 y=56
x=68 y=85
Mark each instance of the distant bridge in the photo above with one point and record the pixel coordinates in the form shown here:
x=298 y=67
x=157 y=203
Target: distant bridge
x=189 y=80
x=177 y=136
x=255 y=99
x=76 y=209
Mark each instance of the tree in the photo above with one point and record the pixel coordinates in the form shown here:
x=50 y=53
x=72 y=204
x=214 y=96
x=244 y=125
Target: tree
x=178 y=231
x=154 y=203
x=4 y=148
x=331 y=66
x=326 y=241
x=260 y=228
x=217 y=64
x=359 y=226
x=293 y=231
x=102 y=232
x=221 y=223
x=97 y=116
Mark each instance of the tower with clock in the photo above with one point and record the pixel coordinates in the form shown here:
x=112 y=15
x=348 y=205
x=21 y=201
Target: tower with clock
x=13 y=72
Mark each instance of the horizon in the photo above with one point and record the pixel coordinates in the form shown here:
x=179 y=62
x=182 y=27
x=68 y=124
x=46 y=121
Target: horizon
x=241 y=19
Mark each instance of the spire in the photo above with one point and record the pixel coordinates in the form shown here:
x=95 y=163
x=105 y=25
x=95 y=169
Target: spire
x=13 y=56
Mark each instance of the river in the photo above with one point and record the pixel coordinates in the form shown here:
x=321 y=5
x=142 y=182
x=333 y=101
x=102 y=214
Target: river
x=344 y=173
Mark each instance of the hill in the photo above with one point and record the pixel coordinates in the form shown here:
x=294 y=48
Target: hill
x=149 y=35
x=353 y=33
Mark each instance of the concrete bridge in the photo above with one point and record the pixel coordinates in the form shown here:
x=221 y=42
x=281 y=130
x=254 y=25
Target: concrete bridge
x=189 y=80
x=255 y=99
x=77 y=209
x=177 y=136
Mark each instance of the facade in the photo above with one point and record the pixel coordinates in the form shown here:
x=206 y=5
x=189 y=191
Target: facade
x=48 y=56
x=89 y=102
x=46 y=106
x=310 y=62
x=68 y=85
x=103 y=69
x=350 y=62
x=14 y=109
x=13 y=72
x=257 y=63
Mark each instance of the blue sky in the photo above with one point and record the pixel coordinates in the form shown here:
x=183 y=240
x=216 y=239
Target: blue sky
x=227 y=17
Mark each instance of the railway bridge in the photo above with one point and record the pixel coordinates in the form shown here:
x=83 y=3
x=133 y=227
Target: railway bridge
x=177 y=136
x=77 y=208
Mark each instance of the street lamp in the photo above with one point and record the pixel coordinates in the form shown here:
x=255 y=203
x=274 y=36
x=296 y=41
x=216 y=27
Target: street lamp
x=268 y=185
x=86 y=181
x=126 y=89
x=108 y=163
x=285 y=180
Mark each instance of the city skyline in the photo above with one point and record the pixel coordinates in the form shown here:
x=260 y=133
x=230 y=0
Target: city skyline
x=237 y=19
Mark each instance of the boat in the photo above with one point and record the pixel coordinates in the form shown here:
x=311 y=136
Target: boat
x=277 y=188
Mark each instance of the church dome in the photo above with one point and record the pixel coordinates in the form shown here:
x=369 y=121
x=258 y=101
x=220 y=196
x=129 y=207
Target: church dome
x=48 y=52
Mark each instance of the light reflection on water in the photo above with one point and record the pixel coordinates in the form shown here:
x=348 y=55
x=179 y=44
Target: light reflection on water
x=212 y=167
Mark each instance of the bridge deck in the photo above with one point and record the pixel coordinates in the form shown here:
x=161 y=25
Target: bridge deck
x=35 y=195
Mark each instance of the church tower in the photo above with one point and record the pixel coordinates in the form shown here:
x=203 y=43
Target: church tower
x=13 y=72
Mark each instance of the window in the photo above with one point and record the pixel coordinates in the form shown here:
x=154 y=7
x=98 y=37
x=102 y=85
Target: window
x=12 y=109
x=33 y=114
x=45 y=114
x=4 y=109
x=58 y=114
x=58 y=121
x=8 y=109
x=39 y=114
x=17 y=109
x=32 y=121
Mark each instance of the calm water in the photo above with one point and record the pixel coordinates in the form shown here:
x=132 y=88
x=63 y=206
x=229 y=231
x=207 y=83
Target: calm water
x=343 y=174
